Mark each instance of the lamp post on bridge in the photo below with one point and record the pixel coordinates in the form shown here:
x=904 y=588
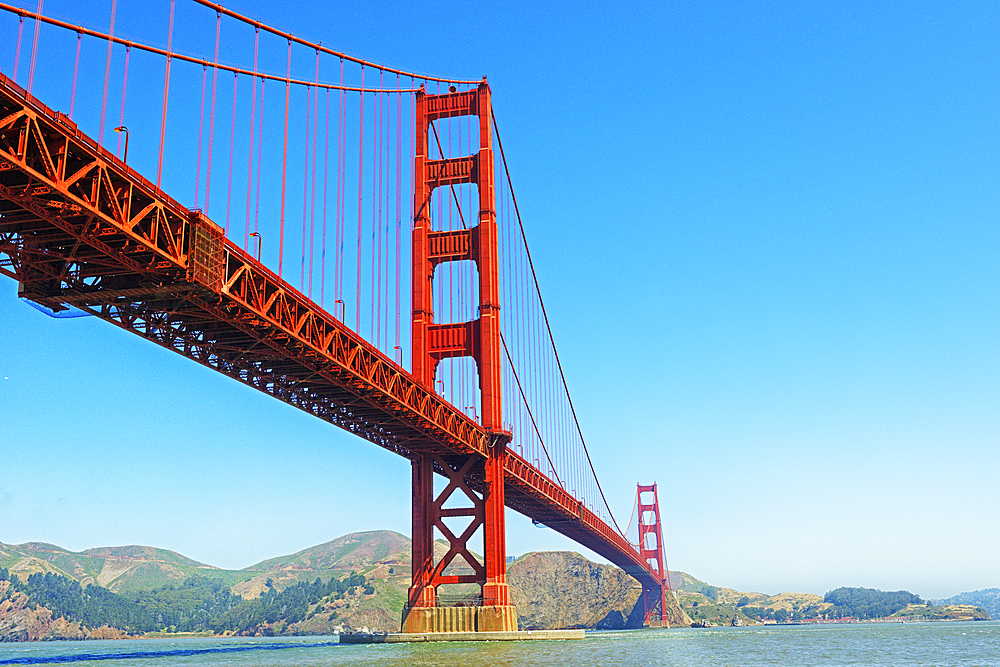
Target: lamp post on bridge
x=125 y=154
x=257 y=234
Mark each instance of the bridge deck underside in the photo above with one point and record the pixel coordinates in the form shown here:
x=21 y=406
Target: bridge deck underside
x=79 y=228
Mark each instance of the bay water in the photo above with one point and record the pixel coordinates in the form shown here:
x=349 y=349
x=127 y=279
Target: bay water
x=959 y=644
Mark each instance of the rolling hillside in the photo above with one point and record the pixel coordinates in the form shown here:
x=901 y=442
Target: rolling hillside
x=119 y=569
x=350 y=552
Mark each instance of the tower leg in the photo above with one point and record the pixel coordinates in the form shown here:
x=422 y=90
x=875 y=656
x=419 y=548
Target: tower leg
x=498 y=614
x=422 y=593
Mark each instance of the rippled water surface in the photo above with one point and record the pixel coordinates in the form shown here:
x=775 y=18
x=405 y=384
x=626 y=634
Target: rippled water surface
x=952 y=644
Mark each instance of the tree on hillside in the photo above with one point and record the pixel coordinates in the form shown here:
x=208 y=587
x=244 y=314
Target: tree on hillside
x=291 y=605
x=190 y=606
x=92 y=607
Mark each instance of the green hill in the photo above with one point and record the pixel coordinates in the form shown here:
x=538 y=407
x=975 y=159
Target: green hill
x=140 y=553
x=356 y=551
x=119 y=569
x=379 y=554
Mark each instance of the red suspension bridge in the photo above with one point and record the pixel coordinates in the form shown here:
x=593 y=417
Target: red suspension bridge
x=324 y=167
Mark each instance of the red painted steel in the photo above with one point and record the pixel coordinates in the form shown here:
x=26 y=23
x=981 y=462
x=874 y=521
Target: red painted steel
x=479 y=339
x=79 y=227
x=653 y=597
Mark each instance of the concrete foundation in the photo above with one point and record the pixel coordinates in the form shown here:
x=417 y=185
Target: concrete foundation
x=401 y=637
x=421 y=620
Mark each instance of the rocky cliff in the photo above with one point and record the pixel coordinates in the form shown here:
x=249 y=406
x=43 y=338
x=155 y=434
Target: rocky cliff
x=23 y=621
x=561 y=589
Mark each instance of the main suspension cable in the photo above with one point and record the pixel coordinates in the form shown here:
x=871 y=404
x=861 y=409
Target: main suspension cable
x=191 y=59
x=298 y=40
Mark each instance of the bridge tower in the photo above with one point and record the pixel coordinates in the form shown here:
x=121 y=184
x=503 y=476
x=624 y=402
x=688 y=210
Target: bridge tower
x=654 y=599
x=479 y=479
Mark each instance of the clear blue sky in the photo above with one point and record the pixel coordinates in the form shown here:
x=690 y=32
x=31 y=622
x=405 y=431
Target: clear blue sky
x=768 y=235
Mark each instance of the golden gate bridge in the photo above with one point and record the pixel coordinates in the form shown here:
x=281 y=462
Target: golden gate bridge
x=324 y=168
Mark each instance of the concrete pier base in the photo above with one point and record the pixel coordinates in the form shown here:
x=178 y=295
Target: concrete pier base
x=419 y=620
x=401 y=637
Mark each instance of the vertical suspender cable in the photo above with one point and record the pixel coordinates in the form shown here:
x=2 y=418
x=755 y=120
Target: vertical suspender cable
x=375 y=298
x=474 y=295
x=34 y=49
x=76 y=72
x=377 y=177
x=552 y=433
x=17 y=51
x=462 y=294
x=501 y=261
x=361 y=169
x=312 y=204
x=211 y=118
x=121 y=113
x=413 y=151
x=253 y=114
x=509 y=301
x=526 y=339
x=107 y=74
x=305 y=193
x=541 y=364
x=166 y=90
x=536 y=367
x=399 y=204
x=465 y=286
x=260 y=153
x=386 y=225
x=284 y=161
x=375 y=221
x=451 y=281
x=232 y=149
x=326 y=172
x=338 y=262
x=201 y=127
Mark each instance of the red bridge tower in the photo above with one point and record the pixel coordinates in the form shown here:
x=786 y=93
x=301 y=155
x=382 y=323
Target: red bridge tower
x=654 y=600
x=480 y=479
